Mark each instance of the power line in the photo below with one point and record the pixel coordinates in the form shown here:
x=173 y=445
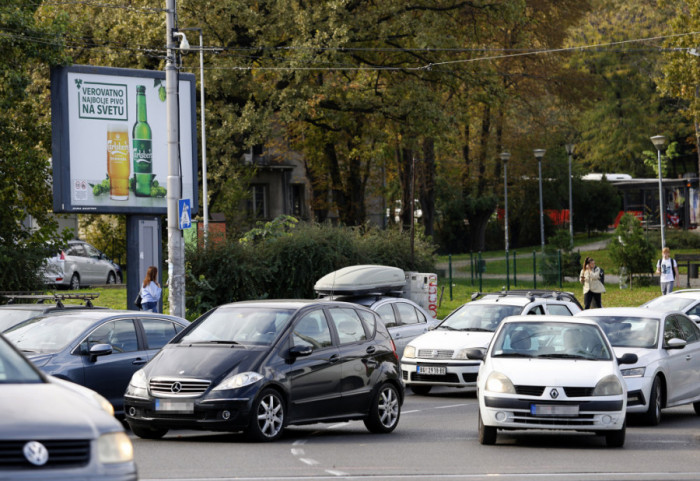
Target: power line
x=99 y=5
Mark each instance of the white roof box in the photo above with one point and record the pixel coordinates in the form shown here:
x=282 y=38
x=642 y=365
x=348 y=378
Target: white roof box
x=361 y=279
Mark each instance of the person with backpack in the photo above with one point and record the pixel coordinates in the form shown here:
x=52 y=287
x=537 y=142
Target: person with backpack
x=667 y=268
x=592 y=285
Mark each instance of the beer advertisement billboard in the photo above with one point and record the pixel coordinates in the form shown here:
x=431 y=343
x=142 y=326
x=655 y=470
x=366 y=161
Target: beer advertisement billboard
x=110 y=140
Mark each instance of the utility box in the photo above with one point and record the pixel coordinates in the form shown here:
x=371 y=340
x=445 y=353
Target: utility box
x=422 y=288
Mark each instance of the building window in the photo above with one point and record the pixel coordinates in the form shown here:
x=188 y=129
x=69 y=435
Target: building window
x=298 y=204
x=257 y=203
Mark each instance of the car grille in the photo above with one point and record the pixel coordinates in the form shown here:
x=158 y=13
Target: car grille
x=435 y=353
x=538 y=390
x=449 y=377
x=62 y=454
x=581 y=420
x=179 y=387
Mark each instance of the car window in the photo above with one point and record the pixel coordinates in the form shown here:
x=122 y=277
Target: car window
x=14 y=369
x=630 y=331
x=671 y=329
x=240 y=325
x=475 y=316
x=312 y=330
x=690 y=330
x=536 y=311
x=91 y=251
x=47 y=334
x=348 y=324
x=407 y=313
x=694 y=311
x=559 y=309
x=120 y=334
x=159 y=332
x=370 y=320
x=76 y=250
x=386 y=312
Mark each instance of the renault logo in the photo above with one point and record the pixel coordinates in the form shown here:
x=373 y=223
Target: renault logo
x=36 y=453
x=554 y=394
x=176 y=387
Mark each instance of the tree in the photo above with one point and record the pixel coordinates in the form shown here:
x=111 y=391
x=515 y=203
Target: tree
x=630 y=248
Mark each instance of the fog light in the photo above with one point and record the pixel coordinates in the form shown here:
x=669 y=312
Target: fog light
x=606 y=419
x=500 y=416
x=225 y=415
x=132 y=411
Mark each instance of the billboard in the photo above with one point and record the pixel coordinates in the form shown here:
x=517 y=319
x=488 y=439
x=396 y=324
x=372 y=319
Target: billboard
x=109 y=140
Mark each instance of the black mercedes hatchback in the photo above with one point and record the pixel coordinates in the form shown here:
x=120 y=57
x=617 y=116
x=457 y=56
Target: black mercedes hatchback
x=258 y=366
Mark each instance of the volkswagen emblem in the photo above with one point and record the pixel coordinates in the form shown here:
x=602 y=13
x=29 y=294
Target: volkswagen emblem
x=554 y=394
x=36 y=453
x=176 y=387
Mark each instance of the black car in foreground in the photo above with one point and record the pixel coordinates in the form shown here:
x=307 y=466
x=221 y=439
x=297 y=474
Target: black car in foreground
x=258 y=366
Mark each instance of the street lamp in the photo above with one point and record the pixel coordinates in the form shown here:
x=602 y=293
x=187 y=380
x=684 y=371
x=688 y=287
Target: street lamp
x=539 y=153
x=570 y=151
x=659 y=142
x=505 y=156
x=184 y=45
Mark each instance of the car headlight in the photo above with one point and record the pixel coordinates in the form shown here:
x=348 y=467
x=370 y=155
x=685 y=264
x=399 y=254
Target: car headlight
x=633 y=372
x=138 y=386
x=239 y=380
x=115 y=448
x=608 y=386
x=498 y=382
x=409 y=352
x=104 y=404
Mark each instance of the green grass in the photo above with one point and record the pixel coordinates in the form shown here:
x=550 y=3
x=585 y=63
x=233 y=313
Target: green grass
x=112 y=297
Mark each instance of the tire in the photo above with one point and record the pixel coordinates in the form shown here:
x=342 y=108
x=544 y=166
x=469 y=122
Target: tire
x=111 y=278
x=75 y=282
x=420 y=389
x=653 y=415
x=616 y=439
x=267 y=417
x=385 y=411
x=487 y=434
x=148 y=433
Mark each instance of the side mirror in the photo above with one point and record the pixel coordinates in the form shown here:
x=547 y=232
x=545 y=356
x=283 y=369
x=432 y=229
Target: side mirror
x=99 y=350
x=477 y=353
x=694 y=318
x=628 y=358
x=300 y=351
x=675 y=343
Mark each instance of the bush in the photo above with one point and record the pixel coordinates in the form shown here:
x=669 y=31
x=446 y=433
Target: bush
x=631 y=247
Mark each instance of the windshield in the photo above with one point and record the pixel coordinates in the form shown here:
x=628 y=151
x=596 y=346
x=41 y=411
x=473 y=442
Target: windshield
x=47 y=334
x=669 y=303
x=10 y=317
x=623 y=331
x=551 y=340
x=478 y=317
x=240 y=325
x=14 y=369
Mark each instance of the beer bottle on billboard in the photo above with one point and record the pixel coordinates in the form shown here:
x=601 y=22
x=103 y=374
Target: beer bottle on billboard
x=143 y=148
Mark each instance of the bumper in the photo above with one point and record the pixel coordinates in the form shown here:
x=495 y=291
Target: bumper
x=638 y=392
x=457 y=373
x=592 y=414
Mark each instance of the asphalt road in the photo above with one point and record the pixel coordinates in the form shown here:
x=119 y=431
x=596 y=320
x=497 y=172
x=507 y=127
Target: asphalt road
x=436 y=439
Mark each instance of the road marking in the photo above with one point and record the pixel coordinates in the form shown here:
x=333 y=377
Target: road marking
x=297 y=452
x=337 y=473
x=310 y=462
x=452 y=406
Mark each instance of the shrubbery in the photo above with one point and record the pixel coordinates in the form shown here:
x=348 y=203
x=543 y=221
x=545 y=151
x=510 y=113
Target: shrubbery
x=285 y=259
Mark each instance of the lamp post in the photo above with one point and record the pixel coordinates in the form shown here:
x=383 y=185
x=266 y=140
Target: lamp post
x=184 y=45
x=659 y=142
x=570 y=151
x=539 y=153
x=505 y=156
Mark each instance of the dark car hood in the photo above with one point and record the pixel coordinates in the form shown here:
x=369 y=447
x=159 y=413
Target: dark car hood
x=213 y=362
x=47 y=411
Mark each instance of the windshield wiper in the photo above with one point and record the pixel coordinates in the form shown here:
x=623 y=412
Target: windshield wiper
x=213 y=341
x=512 y=354
x=449 y=328
x=476 y=329
x=564 y=356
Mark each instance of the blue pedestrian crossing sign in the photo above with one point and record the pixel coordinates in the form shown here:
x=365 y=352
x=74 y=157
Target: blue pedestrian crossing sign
x=183 y=213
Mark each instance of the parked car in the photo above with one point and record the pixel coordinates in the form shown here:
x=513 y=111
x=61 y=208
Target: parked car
x=97 y=348
x=53 y=429
x=438 y=357
x=80 y=264
x=668 y=347
x=684 y=300
x=551 y=372
x=13 y=314
x=259 y=366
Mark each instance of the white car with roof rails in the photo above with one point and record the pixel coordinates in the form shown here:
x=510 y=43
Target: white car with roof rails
x=438 y=357
x=684 y=300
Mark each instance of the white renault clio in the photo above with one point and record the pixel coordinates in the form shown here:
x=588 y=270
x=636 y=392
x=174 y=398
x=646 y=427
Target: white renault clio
x=554 y=373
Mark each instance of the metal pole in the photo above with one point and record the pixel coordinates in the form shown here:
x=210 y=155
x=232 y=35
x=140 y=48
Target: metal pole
x=539 y=166
x=449 y=266
x=176 y=245
x=505 y=188
x=205 y=201
x=570 y=151
x=662 y=212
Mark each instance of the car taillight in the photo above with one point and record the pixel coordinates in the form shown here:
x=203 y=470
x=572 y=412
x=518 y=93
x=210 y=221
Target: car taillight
x=62 y=256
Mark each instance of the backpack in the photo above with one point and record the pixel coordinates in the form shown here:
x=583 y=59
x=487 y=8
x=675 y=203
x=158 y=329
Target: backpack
x=673 y=264
x=602 y=275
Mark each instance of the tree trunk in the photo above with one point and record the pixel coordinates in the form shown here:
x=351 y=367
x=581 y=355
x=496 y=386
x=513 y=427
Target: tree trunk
x=427 y=186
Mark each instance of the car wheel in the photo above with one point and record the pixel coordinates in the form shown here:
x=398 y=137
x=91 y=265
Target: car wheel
x=615 y=439
x=111 y=278
x=75 y=281
x=487 y=434
x=267 y=417
x=148 y=433
x=385 y=410
x=653 y=415
x=420 y=389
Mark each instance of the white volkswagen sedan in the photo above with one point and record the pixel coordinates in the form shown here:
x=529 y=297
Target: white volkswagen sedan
x=667 y=344
x=553 y=373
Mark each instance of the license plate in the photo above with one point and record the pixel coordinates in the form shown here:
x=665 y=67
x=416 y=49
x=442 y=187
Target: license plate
x=567 y=410
x=432 y=370
x=174 y=406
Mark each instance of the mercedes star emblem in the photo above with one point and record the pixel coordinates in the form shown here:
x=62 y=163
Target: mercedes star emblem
x=176 y=387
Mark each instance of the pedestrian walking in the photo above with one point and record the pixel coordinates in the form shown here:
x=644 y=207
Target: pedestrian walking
x=150 y=290
x=667 y=268
x=593 y=287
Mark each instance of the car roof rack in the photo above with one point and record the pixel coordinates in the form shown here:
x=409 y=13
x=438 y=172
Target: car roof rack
x=536 y=293
x=57 y=298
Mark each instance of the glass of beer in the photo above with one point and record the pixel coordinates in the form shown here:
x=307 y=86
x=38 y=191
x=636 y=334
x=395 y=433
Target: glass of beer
x=118 y=165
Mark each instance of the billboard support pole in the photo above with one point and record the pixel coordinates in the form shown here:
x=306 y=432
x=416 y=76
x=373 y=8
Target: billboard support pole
x=176 y=243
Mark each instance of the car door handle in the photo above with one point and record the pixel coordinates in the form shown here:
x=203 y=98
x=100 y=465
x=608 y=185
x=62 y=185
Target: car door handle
x=371 y=350
x=334 y=358
x=688 y=357
x=138 y=361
